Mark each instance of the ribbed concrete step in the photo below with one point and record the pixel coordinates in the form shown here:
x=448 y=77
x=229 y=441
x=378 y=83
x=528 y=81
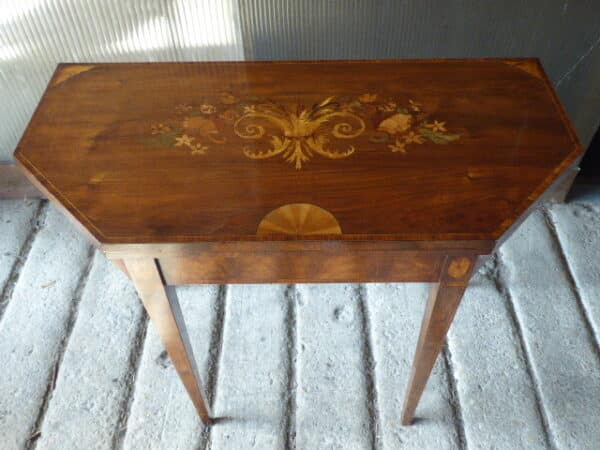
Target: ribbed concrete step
x=162 y=415
x=395 y=312
x=36 y=325
x=306 y=366
x=252 y=387
x=563 y=353
x=331 y=394
x=98 y=367
x=496 y=392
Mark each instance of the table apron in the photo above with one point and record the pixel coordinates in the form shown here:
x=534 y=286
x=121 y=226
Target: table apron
x=302 y=267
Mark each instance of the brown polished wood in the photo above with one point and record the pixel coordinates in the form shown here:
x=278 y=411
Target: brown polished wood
x=286 y=172
x=444 y=299
x=165 y=313
x=302 y=266
x=403 y=150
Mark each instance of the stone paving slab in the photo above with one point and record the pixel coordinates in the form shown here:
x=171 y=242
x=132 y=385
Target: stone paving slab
x=331 y=405
x=252 y=383
x=497 y=397
x=578 y=229
x=395 y=312
x=35 y=325
x=562 y=352
x=162 y=415
x=93 y=380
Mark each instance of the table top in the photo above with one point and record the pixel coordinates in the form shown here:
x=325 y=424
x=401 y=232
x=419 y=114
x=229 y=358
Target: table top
x=409 y=150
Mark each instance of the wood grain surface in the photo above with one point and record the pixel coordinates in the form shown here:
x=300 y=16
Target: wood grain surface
x=427 y=150
x=165 y=312
x=444 y=299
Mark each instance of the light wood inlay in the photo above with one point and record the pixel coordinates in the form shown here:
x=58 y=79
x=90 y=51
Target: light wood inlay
x=458 y=267
x=299 y=219
x=529 y=66
x=69 y=71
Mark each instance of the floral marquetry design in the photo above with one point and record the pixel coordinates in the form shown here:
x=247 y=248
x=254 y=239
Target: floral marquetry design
x=193 y=129
x=329 y=128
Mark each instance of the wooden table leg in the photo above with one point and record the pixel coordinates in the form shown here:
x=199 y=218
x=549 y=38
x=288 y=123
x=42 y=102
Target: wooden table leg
x=444 y=298
x=165 y=313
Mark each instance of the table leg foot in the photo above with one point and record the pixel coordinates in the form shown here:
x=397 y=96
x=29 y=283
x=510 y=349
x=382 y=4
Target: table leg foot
x=165 y=314
x=444 y=299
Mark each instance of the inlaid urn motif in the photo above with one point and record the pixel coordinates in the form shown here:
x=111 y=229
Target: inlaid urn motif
x=300 y=134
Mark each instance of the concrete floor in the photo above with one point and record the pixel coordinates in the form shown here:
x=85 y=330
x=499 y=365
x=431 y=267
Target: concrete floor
x=304 y=366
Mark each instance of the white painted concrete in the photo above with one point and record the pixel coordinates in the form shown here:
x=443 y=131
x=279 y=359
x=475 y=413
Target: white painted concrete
x=162 y=415
x=562 y=353
x=507 y=373
x=331 y=394
x=396 y=311
x=252 y=384
x=92 y=383
x=35 y=323
x=16 y=222
x=495 y=390
x=578 y=228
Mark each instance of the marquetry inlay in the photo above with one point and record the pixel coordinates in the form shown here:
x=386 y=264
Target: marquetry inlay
x=71 y=71
x=459 y=267
x=299 y=219
x=267 y=128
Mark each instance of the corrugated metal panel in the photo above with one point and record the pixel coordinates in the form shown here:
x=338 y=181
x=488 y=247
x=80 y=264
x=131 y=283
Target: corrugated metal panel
x=36 y=35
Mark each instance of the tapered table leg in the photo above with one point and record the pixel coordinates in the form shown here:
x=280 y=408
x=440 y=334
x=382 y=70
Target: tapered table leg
x=165 y=314
x=444 y=298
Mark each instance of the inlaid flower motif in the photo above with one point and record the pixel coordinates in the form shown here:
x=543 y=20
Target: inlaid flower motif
x=183 y=109
x=408 y=127
x=436 y=126
x=387 y=107
x=190 y=142
x=191 y=133
x=367 y=98
x=160 y=128
x=199 y=149
x=413 y=137
x=200 y=125
x=398 y=146
x=203 y=127
x=228 y=98
x=398 y=123
x=183 y=140
x=230 y=115
x=414 y=105
x=207 y=109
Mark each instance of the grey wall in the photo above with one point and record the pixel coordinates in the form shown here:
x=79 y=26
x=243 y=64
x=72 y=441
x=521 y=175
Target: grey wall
x=35 y=35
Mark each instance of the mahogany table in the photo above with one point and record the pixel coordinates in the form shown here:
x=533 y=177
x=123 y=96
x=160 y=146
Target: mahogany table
x=293 y=172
